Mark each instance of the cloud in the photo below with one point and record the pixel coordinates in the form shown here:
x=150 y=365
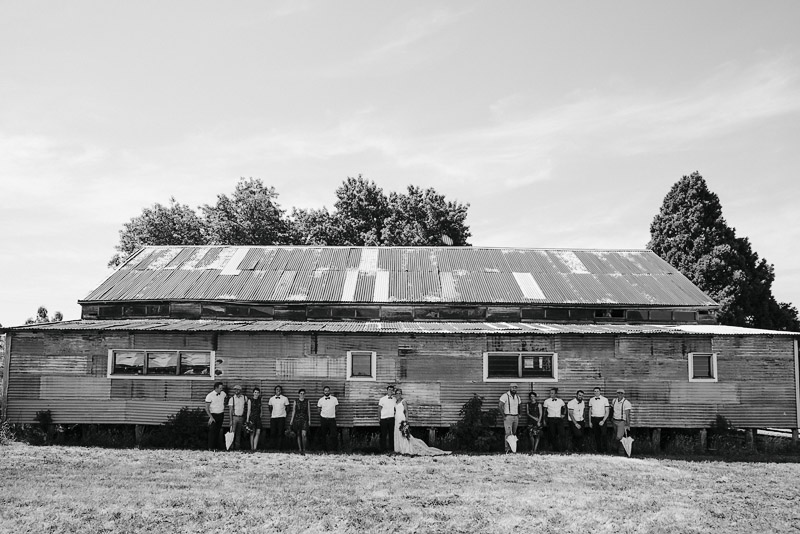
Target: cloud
x=520 y=146
x=397 y=50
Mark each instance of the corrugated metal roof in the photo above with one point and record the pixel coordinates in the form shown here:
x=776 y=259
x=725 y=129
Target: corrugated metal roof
x=417 y=327
x=413 y=274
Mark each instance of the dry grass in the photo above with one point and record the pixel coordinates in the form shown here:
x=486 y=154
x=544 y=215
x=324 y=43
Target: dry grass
x=73 y=489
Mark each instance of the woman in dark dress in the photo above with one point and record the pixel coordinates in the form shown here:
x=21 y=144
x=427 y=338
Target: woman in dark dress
x=534 y=421
x=301 y=415
x=254 y=421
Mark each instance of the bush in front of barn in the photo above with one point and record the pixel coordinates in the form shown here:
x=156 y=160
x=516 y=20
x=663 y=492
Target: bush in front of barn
x=187 y=429
x=475 y=430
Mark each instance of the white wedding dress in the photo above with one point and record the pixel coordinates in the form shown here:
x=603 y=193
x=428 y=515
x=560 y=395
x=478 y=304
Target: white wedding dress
x=410 y=445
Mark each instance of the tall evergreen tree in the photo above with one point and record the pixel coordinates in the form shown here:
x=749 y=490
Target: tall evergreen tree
x=691 y=234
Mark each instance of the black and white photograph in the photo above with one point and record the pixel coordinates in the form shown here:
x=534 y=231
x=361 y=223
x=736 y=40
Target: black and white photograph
x=415 y=267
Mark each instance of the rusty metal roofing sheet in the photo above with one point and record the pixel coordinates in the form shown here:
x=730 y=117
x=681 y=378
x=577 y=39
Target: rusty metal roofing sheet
x=206 y=325
x=405 y=274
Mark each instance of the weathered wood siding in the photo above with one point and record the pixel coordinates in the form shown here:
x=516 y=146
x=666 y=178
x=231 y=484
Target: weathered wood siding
x=66 y=373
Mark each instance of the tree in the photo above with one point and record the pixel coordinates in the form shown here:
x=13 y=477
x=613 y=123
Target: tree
x=251 y=216
x=365 y=216
x=314 y=227
x=43 y=317
x=361 y=209
x=421 y=218
x=691 y=234
x=176 y=224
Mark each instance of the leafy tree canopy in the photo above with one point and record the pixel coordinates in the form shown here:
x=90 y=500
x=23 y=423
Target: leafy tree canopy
x=251 y=216
x=363 y=215
x=43 y=317
x=691 y=234
x=424 y=218
x=176 y=224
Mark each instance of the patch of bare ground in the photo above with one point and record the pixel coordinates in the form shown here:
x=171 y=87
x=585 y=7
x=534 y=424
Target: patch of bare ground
x=73 y=489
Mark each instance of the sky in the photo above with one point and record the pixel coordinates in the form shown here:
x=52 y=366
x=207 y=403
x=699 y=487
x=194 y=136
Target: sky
x=562 y=124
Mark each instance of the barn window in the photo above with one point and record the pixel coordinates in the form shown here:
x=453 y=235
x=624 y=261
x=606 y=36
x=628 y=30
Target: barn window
x=128 y=363
x=361 y=365
x=702 y=367
x=523 y=366
x=184 y=364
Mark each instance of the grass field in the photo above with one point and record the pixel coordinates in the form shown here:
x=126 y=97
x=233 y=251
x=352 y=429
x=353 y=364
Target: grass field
x=75 y=489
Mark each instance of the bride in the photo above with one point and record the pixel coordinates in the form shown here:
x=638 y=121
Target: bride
x=408 y=445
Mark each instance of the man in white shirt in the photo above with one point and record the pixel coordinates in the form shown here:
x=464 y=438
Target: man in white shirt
x=598 y=415
x=239 y=406
x=621 y=408
x=277 y=421
x=215 y=408
x=509 y=407
x=386 y=415
x=327 y=417
x=554 y=419
x=576 y=409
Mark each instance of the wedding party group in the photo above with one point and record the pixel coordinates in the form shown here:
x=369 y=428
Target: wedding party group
x=246 y=416
x=553 y=419
x=556 y=419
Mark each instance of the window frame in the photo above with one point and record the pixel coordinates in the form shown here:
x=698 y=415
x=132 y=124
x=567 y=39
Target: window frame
x=373 y=367
x=145 y=352
x=714 y=375
x=520 y=378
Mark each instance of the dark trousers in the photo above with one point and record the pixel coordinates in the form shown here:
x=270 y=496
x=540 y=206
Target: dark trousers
x=599 y=434
x=577 y=435
x=555 y=432
x=237 y=427
x=327 y=427
x=214 y=431
x=387 y=434
x=277 y=427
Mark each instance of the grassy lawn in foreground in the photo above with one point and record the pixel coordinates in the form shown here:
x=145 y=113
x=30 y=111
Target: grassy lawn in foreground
x=76 y=489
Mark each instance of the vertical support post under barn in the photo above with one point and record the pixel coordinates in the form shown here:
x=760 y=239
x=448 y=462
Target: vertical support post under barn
x=796 y=380
x=703 y=440
x=794 y=437
x=346 y=439
x=4 y=392
x=656 y=439
x=432 y=437
x=139 y=432
x=749 y=440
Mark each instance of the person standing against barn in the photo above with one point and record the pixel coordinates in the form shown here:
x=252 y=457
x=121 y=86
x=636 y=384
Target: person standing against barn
x=386 y=414
x=598 y=415
x=254 y=419
x=327 y=418
x=534 y=421
x=576 y=410
x=554 y=421
x=299 y=423
x=509 y=407
x=215 y=408
x=277 y=421
x=239 y=410
x=621 y=408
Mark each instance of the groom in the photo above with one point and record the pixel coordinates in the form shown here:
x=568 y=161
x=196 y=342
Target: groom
x=386 y=409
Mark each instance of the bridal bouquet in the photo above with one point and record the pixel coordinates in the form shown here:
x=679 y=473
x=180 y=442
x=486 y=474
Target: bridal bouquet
x=405 y=430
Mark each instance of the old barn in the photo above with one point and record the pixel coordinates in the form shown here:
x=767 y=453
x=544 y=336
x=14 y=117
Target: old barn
x=445 y=322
